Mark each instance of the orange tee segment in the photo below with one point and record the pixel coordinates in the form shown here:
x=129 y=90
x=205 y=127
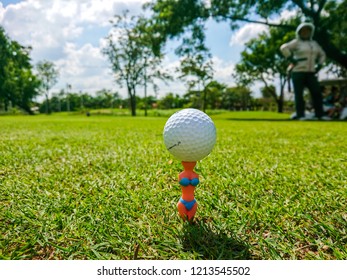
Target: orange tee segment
x=187 y=205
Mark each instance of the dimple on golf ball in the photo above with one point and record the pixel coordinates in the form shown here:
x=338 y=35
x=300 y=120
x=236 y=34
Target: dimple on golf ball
x=189 y=135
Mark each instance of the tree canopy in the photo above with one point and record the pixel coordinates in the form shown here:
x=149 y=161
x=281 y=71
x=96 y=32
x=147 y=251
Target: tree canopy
x=18 y=85
x=48 y=75
x=130 y=54
x=262 y=60
x=171 y=18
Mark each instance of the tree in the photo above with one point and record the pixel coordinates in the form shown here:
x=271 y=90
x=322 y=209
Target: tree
x=262 y=60
x=214 y=91
x=336 y=23
x=152 y=70
x=107 y=99
x=237 y=98
x=18 y=85
x=267 y=99
x=27 y=89
x=130 y=54
x=196 y=62
x=172 y=17
x=48 y=76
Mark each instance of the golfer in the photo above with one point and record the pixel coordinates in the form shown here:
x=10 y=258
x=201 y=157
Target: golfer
x=306 y=57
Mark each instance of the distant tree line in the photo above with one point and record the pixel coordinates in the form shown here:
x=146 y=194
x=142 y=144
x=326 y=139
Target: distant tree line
x=218 y=97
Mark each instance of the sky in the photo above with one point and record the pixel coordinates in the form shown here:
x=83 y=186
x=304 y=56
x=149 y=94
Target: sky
x=71 y=34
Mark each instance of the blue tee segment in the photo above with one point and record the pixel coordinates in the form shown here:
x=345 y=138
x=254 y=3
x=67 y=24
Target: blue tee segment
x=186 y=182
x=188 y=204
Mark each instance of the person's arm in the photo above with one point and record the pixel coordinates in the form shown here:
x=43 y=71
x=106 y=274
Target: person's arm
x=288 y=51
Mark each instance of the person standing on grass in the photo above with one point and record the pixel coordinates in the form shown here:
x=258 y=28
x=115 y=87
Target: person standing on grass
x=306 y=57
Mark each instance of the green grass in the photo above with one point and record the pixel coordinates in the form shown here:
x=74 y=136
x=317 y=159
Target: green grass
x=105 y=187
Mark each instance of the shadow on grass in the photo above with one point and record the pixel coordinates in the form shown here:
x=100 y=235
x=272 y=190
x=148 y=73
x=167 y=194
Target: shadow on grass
x=209 y=243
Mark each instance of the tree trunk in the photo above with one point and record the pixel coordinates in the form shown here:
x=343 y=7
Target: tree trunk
x=145 y=99
x=280 y=102
x=204 y=100
x=48 y=109
x=133 y=104
x=323 y=38
x=27 y=109
x=6 y=105
x=145 y=85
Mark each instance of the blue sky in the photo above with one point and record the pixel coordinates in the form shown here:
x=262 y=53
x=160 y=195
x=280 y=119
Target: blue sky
x=71 y=35
x=6 y=2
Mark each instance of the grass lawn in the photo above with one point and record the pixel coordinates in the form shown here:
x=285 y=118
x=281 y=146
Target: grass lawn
x=105 y=187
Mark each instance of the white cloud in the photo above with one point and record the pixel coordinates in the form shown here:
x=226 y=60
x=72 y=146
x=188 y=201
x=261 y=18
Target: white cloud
x=286 y=14
x=68 y=33
x=83 y=68
x=2 y=11
x=246 y=33
x=223 y=71
x=169 y=65
x=252 y=30
x=72 y=31
x=223 y=74
x=58 y=11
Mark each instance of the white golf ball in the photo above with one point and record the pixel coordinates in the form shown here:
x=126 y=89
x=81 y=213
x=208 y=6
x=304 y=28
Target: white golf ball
x=189 y=135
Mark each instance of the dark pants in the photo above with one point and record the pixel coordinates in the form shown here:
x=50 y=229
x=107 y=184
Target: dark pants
x=308 y=80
